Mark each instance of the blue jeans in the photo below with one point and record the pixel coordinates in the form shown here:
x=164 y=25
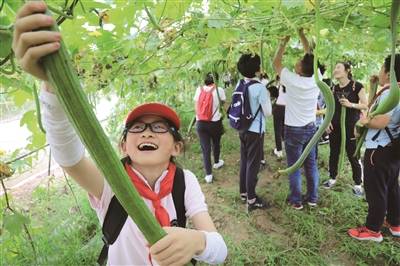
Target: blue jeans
x=296 y=139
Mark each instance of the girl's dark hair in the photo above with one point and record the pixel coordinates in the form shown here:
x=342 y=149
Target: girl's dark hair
x=209 y=79
x=174 y=132
x=386 y=65
x=248 y=65
x=347 y=67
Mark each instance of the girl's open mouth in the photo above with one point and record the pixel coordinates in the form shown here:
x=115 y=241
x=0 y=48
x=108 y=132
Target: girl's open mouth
x=147 y=146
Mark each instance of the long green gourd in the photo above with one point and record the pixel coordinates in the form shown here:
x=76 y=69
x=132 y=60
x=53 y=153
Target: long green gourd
x=343 y=111
x=37 y=105
x=329 y=100
x=360 y=140
x=362 y=131
x=392 y=100
x=372 y=92
x=64 y=79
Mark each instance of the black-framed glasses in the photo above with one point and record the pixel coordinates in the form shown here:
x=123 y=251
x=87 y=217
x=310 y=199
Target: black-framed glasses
x=155 y=127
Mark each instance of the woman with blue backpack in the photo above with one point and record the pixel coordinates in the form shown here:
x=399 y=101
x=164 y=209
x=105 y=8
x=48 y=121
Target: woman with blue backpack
x=209 y=101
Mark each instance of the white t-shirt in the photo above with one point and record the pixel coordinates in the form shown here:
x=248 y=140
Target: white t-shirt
x=301 y=98
x=130 y=248
x=216 y=103
x=281 y=97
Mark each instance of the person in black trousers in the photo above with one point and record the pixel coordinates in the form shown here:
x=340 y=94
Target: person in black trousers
x=278 y=112
x=350 y=94
x=382 y=164
x=251 y=140
x=211 y=131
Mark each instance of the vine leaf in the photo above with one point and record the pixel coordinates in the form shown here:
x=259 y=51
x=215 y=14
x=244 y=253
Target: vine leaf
x=20 y=97
x=216 y=36
x=172 y=9
x=37 y=138
x=14 y=222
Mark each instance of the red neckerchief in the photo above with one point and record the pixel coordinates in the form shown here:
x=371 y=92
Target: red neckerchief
x=146 y=192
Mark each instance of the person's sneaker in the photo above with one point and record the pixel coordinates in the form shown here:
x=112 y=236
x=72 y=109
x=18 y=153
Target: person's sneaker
x=312 y=204
x=363 y=233
x=297 y=206
x=305 y=200
x=394 y=230
x=209 y=179
x=263 y=165
x=328 y=184
x=277 y=153
x=243 y=197
x=219 y=164
x=358 y=191
x=259 y=203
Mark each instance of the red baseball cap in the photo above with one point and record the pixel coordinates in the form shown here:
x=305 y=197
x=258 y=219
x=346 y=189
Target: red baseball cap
x=157 y=109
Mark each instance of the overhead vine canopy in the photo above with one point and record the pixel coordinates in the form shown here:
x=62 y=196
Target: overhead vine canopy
x=159 y=50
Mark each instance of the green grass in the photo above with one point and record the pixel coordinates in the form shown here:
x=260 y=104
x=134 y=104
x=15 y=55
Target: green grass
x=64 y=234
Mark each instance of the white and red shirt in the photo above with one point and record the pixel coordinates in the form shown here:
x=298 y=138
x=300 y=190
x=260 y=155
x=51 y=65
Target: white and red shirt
x=131 y=248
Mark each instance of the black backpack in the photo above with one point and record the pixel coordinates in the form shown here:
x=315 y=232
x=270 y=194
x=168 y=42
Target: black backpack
x=116 y=215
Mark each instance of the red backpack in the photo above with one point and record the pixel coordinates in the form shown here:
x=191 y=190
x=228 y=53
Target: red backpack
x=204 y=107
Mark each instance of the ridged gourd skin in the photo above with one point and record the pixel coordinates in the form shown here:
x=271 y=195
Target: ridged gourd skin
x=343 y=111
x=329 y=100
x=63 y=77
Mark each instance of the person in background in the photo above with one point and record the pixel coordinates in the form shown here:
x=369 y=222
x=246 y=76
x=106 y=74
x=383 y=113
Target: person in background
x=382 y=164
x=350 y=94
x=278 y=112
x=227 y=79
x=209 y=99
x=251 y=140
x=264 y=79
x=301 y=101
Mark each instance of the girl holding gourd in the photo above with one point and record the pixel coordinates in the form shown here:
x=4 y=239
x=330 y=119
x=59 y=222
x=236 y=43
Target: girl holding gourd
x=349 y=94
x=149 y=143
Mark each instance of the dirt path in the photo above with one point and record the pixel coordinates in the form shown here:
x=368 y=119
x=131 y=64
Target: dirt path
x=224 y=204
